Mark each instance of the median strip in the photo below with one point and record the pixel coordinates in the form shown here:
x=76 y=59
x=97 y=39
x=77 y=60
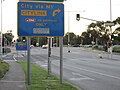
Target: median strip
x=40 y=80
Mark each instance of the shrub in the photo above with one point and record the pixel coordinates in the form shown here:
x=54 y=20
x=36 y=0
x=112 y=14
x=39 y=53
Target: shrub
x=4 y=67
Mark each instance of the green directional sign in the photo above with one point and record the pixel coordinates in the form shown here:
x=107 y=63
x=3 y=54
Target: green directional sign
x=43 y=0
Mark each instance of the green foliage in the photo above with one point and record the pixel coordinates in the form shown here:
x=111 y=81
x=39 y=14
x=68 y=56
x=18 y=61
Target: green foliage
x=96 y=47
x=9 y=36
x=74 y=39
x=116 y=49
x=41 y=81
x=4 y=67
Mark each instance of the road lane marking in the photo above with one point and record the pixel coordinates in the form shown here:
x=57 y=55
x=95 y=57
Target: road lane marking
x=9 y=60
x=80 y=77
x=11 y=81
x=44 y=65
x=111 y=76
x=19 y=55
x=14 y=58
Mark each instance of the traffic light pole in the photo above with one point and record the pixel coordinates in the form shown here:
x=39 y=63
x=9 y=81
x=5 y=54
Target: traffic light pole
x=68 y=32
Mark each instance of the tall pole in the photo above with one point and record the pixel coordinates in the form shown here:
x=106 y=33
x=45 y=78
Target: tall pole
x=69 y=26
x=49 y=54
x=111 y=29
x=68 y=32
x=61 y=59
x=110 y=11
x=28 y=60
x=1 y=30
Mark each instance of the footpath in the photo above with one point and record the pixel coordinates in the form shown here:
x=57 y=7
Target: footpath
x=14 y=79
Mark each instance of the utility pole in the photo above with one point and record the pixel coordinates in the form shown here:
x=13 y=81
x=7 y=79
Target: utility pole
x=111 y=28
x=1 y=31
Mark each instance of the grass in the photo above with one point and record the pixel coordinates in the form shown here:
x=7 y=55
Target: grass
x=41 y=81
x=116 y=49
x=4 y=67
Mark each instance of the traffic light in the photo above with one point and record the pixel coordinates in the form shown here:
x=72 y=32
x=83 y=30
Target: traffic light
x=24 y=39
x=77 y=17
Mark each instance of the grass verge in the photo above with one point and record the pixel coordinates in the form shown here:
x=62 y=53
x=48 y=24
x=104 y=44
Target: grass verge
x=4 y=67
x=116 y=49
x=41 y=81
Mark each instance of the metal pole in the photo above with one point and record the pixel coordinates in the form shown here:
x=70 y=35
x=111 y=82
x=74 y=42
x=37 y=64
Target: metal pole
x=28 y=60
x=17 y=54
x=4 y=44
x=68 y=32
x=38 y=42
x=111 y=28
x=1 y=31
x=61 y=59
x=49 y=54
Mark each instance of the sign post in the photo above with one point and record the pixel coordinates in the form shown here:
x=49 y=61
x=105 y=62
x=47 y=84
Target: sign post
x=28 y=60
x=49 y=54
x=61 y=59
x=41 y=19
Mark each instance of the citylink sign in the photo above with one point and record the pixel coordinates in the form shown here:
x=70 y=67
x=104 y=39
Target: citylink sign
x=43 y=0
x=40 y=19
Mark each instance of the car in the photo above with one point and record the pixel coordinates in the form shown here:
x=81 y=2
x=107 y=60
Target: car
x=44 y=46
x=76 y=45
x=31 y=46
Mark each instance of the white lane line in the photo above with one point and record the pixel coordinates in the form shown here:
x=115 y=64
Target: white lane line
x=44 y=65
x=11 y=81
x=14 y=58
x=9 y=60
x=78 y=77
x=77 y=74
x=111 y=76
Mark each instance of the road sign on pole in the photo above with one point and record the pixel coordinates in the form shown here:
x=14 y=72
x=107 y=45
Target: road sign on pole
x=21 y=46
x=28 y=61
x=109 y=24
x=61 y=59
x=40 y=19
x=43 y=0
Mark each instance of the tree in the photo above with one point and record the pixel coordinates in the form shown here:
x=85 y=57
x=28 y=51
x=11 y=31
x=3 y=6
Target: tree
x=8 y=37
x=71 y=38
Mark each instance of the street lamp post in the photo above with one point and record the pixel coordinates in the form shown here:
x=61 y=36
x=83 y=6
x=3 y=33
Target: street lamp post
x=1 y=30
x=68 y=31
x=111 y=28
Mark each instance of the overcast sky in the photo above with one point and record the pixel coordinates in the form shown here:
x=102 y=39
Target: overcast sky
x=93 y=9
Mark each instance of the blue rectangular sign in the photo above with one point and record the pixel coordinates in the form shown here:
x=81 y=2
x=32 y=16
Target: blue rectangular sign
x=40 y=19
x=21 y=46
x=43 y=0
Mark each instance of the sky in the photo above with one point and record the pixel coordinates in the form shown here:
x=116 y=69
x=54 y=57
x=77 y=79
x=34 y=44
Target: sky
x=92 y=9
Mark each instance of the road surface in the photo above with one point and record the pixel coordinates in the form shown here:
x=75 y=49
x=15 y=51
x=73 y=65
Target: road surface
x=82 y=67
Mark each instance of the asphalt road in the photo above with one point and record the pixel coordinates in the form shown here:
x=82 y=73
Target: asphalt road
x=83 y=67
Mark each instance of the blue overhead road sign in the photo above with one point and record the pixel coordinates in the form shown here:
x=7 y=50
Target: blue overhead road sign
x=40 y=19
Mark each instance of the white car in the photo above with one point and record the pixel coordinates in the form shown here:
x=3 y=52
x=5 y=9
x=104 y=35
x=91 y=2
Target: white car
x=31 y=46
x=44 y=46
